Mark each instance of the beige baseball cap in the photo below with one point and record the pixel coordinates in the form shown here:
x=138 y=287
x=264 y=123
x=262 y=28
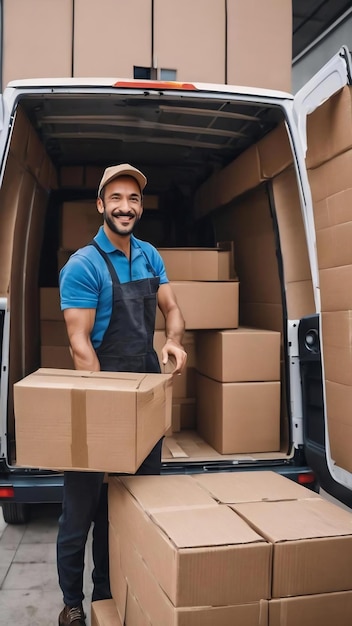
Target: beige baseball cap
x=124 y=169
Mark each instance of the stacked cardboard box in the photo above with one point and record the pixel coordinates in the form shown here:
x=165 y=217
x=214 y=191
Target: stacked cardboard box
x=238 y=389
x=183 y=388
x=183 y=551
x=329 y=160
x=54 y=347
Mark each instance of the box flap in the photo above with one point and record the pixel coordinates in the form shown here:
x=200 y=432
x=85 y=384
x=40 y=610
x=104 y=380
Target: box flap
x=296 y=520
x=167 y=492
x=199 y=527
x=236 y=487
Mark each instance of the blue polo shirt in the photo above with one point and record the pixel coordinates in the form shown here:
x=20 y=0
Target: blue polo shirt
x=85 y=281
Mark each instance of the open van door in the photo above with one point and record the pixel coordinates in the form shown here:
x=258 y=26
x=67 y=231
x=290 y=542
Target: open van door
x=322 y=110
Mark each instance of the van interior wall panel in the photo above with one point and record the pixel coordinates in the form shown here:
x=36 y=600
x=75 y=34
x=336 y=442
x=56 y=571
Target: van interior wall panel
x=24 y=200
x=330 y=166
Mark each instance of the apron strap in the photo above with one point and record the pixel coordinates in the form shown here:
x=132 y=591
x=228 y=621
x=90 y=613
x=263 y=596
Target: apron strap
x=107 y=260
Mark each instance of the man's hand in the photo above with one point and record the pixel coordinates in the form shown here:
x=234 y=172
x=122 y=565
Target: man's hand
x=174 y=352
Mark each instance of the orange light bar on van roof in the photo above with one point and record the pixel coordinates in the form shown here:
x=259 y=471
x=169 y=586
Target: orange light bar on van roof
x=155 y=84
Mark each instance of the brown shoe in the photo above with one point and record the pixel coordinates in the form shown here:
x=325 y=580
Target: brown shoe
x=73 y=616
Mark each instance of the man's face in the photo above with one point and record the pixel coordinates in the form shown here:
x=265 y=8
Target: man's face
x=122 y=205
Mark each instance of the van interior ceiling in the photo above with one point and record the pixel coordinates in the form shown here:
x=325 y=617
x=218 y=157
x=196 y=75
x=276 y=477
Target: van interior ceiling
x=203 y=158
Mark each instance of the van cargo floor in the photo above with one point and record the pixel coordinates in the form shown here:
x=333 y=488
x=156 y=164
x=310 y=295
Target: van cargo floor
x=187 y=445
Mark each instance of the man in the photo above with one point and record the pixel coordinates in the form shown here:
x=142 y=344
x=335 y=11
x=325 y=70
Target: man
x=109 y=290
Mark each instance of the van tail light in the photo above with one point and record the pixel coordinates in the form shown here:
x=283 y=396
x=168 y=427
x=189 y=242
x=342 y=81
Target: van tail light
x=160 y=85
x=6 y=492
x=306 y=478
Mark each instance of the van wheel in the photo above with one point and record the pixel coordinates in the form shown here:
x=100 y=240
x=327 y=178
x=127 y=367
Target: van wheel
x=15 y=513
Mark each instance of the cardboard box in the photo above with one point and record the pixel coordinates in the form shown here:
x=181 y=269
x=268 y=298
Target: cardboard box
x=104 y=613
x=239 y=417
x=333 y=210
x=323 y=610
x=153 y=601
x=312 y=544
x=335 y=295
x=337 y=346
x=329 y=129
x=332 y=177
x=80 y=223
x=275 y=153
x=58 y=357
x=134 y=614
x=262 y=486
x=53 y=333
x=334 y=245
x=197 y=263
x=101 y=421
x=50 y=304
x=199 y=554
x=338 y=403
x=244 y=354
x=118 y=582
x=205 y=304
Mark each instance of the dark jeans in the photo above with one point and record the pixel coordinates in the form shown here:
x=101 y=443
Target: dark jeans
x=85 y=502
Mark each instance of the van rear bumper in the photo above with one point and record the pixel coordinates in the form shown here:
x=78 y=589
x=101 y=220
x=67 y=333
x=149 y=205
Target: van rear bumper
x=30 y=486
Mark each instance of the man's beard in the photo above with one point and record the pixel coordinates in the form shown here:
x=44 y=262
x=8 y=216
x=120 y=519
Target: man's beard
x=115 y=229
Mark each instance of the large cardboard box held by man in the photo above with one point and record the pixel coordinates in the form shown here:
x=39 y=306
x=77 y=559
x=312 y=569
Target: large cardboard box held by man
x=102 y=421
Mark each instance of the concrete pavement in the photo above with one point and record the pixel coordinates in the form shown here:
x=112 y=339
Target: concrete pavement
x=29 y=591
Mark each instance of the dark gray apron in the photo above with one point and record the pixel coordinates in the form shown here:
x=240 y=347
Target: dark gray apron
x=127 y=345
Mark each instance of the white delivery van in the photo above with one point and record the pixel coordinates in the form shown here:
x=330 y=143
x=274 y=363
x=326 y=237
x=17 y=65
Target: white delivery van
x=267 y=172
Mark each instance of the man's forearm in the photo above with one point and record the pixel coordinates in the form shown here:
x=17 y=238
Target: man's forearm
x=174 y=326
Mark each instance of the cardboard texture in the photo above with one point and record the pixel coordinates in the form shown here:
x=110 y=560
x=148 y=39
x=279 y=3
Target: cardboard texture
x=155 y=603
x=333 y=245
x=134 y=613
x=244 y=354
x=103 y=421
x=333 y=210
x=332 y=177
x=199 y=554
x=197 y=263
x=223 y=186
x=323 y=610
x=118 y=582
x=337 y=346
x=104 y=613
x=275 y=153
x=80 y=223
x=334 y=294
x=239 y=417
x=312 y=544
x=263 y=486
x=338 y=397
x=329 y=128
x=205 y=304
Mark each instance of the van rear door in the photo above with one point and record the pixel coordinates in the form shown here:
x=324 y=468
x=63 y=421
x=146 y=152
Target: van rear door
x=322 y=110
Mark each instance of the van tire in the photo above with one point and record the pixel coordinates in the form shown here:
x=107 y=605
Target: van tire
x=15 y=513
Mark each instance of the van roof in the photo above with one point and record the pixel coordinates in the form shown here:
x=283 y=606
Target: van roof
x=132 y=83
